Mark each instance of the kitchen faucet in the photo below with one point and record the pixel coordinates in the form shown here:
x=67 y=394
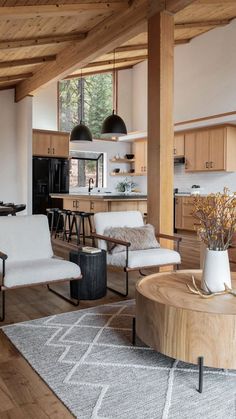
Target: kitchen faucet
x=90 y=187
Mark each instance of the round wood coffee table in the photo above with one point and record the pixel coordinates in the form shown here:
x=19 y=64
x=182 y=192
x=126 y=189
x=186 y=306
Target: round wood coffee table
x=185 y=326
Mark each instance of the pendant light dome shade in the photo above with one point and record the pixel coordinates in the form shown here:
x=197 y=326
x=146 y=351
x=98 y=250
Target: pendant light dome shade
x=80 y=133
x=113 y=126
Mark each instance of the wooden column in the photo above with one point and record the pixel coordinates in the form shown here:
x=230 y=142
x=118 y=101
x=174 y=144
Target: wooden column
x=160 y=121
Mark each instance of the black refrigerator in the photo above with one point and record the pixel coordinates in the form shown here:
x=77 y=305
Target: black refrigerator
x=50 y=175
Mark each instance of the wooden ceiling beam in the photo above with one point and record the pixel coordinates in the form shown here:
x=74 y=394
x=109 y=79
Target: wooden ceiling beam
x=15 y=77
x=171 y=6
x=203 y=24
x=117 y=61
x=174 y=6
x=43 y=40
x=92 y=73
x=27 y=61
x=53 y=10
x=182 y=41
x=127 y=48
x=140 y=47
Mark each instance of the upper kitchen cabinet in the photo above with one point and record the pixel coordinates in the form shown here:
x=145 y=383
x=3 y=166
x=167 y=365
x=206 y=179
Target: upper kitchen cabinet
x=50 y=144
x=178 y=145
x=211 y=149
x=140 y=155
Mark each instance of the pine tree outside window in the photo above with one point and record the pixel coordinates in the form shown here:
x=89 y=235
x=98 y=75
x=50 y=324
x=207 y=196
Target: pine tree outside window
x=98 y=98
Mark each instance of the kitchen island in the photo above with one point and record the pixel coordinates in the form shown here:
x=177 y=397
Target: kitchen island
x=102 y=202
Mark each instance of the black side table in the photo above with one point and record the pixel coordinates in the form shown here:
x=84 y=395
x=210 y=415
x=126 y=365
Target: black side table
x=93 y=284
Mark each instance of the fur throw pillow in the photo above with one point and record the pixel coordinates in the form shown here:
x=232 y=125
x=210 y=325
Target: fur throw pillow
x=141 y=238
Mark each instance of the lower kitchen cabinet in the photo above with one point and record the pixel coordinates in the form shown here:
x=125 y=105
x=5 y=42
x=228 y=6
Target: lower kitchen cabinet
x=184 y=219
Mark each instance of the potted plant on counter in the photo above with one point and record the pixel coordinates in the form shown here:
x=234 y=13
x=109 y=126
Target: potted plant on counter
x=216 y=216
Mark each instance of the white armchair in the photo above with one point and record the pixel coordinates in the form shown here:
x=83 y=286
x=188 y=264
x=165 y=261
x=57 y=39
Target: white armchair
x=27 y=256
x=135 y=259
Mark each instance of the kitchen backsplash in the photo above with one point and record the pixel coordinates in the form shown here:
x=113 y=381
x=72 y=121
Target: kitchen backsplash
x=210 y=182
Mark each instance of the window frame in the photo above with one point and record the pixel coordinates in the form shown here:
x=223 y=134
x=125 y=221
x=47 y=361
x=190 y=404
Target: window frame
x=76 y=76
x=101 y=156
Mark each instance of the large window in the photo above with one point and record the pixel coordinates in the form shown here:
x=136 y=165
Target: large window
x=84 y=166
x=97 y=91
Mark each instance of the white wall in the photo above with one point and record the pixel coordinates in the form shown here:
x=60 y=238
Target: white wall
x=45 y=107
x=140 y=97
x=16 y=149
x=8 y=155
x=125 y=97
x=24 y=152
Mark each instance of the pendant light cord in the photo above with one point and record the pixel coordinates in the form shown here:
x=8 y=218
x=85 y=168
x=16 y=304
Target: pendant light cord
x=114 y=82
x=82 y=97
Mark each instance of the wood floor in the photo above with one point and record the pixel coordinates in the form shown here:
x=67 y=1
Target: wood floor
x=23 y=394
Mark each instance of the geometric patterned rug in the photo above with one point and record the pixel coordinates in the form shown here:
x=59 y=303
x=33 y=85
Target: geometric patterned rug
x=86 y=357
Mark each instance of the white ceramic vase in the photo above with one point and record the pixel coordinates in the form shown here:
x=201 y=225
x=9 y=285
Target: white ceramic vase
x=216 y=270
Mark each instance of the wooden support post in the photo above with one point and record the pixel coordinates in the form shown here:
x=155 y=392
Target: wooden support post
x=160 y=122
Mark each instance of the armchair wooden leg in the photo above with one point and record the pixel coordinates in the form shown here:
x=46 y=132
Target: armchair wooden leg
x=74 y=303
x=2 y=312
x=126 y=286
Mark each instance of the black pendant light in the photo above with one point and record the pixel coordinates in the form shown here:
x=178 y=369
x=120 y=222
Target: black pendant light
x=81 y=132
x=113 y=126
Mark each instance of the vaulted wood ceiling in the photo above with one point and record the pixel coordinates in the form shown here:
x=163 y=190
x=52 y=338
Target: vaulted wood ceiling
x=43 y=40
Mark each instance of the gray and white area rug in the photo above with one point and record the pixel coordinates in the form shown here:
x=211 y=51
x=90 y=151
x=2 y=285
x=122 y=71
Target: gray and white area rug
x=87 y=359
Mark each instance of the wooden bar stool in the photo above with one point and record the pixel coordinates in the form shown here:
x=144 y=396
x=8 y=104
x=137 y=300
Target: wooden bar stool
x=78 y=225
x=52 y=218
x=63 y=220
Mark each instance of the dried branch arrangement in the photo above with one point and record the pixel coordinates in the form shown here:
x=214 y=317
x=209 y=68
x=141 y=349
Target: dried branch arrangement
x=209 y=293
x=216 y=216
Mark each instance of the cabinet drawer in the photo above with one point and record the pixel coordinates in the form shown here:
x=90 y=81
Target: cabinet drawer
x=70 y=204
x=188 y=223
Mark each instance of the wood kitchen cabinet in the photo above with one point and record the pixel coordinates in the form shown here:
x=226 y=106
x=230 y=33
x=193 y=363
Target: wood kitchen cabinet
x=178 y=145
x=50 y=144
x=211 y=149
x=140 y=155
x=178 y=213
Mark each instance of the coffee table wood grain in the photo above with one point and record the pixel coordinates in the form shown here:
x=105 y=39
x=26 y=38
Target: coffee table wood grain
x=185 y=326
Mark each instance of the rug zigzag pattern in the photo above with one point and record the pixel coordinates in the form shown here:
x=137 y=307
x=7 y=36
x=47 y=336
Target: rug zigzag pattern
x=87 y=358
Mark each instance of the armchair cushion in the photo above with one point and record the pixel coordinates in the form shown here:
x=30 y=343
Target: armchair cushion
x=25 y=238
x=103 y=220
x=142 y=258
x=28 y=272
x=140 y=238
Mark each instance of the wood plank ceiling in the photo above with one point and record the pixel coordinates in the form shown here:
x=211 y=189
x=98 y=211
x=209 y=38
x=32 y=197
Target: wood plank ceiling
x=33 y=33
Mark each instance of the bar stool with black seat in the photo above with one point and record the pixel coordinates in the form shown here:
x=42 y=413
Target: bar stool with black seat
x=78 y=226
x=63 y=220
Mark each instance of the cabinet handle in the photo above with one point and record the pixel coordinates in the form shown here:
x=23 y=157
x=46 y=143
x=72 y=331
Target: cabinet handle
x=174 y=150
x=77 y=204
x=211 y=164
x=48 y=150
x=91 y=205
x=74 y=204
x=53 y=150
x=207 y=165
